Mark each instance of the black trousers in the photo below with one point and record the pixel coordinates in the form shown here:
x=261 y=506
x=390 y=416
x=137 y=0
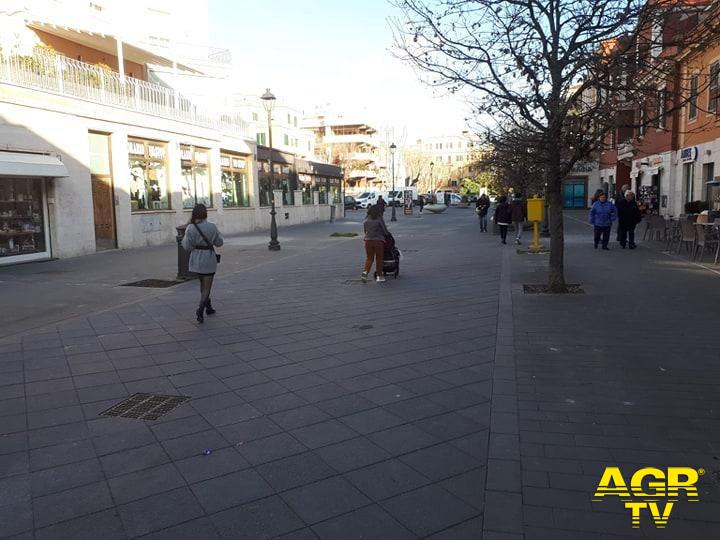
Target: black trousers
x=625 y=233
x=602 y=233
x=503 y=232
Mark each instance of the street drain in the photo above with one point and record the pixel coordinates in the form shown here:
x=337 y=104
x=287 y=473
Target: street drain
x=153 y=283
x=145 y=406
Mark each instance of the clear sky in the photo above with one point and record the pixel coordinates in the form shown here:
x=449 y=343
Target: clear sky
x=316 y=52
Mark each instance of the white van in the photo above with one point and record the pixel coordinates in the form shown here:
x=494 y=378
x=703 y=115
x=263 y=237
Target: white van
x=369 y=198
x=398 y=197
x=455 y=199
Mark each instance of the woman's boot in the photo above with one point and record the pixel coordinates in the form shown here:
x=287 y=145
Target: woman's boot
x=208 y=308
x=199 y=313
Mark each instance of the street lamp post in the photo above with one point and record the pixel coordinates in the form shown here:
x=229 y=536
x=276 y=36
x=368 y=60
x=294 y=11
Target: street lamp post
x=268 y=100
x=392 y=153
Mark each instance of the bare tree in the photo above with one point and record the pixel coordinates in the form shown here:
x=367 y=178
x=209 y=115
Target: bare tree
x=554 y=69
x=417 y=167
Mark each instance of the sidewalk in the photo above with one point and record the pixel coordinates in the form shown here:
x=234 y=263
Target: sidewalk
x=330 y=407
x=625 y=375
x=446 y=404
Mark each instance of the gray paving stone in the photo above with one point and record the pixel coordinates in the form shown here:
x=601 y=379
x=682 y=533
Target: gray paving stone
x=15 y=490
x=64 y=477
x=159 y=512
x=323 y=434
x=403 y=439
x=299 y=417
x=13 y=442
x=440 y=461
x=368 y=522
x=53 y=456
x=232 y=415
x=144 y=483
x=132 y=460
x=220 y=462
x=282 y=402
x=196 y=529
x=450 y=425
x=346 y=405
x=428 y=510
x=177 y=428
x=71 y=503
x=16 y=518
x=105 y=523
x=324 y=499
x=352 y=454
x=54 y=417
x=54 y=435
x=295 y=471
x=250 y=430
x=125 y=439
x=194 y=444
x=265 y=518
x=504 y=475
x=468 y=486
x=386 y=479
x=371 y=420
x=231 y=490
x=271 y=448
x=468 y=530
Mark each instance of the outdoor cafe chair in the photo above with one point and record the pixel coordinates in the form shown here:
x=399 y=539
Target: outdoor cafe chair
x=674 y=234
x=707 y=236
x=687 y=236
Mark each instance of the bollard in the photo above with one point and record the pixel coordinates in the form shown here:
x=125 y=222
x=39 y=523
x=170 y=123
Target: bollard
x=183 y=272
x=332 y=213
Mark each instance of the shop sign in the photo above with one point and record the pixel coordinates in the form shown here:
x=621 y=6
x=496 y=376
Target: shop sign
x=688 y=154
x=136 y=148
x=156 y=152
x=656 y=161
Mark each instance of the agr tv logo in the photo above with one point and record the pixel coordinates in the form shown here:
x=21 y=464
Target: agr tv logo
x=648 y=488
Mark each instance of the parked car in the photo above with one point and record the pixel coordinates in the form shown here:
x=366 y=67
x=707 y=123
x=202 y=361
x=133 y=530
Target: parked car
x=350 y=203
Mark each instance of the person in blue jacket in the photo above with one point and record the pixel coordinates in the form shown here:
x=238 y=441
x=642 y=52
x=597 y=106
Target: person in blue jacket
x=602 y=215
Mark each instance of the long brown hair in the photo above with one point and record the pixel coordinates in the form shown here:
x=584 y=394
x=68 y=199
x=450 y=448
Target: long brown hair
x=199 y=213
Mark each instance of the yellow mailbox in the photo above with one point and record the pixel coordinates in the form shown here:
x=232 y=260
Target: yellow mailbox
x=535 y=209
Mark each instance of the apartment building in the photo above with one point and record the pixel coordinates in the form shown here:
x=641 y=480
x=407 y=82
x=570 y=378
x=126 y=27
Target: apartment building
x=95 y=156
x=353 y=146
x=443 y=160
x=661 y=149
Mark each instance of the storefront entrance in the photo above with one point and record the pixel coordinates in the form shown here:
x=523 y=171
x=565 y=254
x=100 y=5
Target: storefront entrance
x=104 y=212
x=574 y=194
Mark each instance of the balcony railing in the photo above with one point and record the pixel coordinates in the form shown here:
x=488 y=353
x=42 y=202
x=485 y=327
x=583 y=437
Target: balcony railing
x=65 y=76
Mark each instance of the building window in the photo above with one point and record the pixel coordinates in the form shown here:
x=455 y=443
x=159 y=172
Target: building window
x=714 y=86
x=295 y=121
x=613 y=139
x=148 y=175
x=692 y=102
x=286 y=139
x=458 y=158
x=260 y=137
x=641 y=121
x=234 y=180
x=689 y=180
x=196 y=177
x=289 y=119
x=255 y=117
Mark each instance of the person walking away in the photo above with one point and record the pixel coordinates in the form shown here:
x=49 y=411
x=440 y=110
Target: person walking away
x=518 y=216
x=201 y=238
x=629 y=216
x=375 y=231
x=602 y=215
x=619 y=200
x=421 y=203
x=503 y=217
x=381 y=204
x=482 y=207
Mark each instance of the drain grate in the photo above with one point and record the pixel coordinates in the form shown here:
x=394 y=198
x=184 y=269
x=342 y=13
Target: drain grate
x=145 y=406
x=153 y=283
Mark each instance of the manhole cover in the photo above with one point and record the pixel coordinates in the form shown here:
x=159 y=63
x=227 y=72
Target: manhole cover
x=145 y=406
x=152 y=283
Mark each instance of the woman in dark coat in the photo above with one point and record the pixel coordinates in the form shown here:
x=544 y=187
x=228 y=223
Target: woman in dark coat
x=201 y=238
x=629 y=216
x=503 y=217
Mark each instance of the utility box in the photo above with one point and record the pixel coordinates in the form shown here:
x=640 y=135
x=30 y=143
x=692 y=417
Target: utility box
x=535 y=209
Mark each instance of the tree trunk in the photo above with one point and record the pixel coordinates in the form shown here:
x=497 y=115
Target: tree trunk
x=556 y=270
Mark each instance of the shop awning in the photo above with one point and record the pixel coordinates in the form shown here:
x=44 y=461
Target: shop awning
x=713 y=182
x=21 y=164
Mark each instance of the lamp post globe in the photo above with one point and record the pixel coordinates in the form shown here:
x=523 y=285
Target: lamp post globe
x=268 y=101
x=392 y=153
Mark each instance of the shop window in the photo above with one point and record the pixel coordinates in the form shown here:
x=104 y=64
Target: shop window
x=196 y=187
x=234 y=181
x=148 y=175
x=265 y=188
x=22 y=223
x=306 y=185
x=321 y=186
x=689 y=180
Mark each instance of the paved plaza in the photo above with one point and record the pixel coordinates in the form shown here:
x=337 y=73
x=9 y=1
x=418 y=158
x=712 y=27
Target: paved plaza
x=446 y=404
